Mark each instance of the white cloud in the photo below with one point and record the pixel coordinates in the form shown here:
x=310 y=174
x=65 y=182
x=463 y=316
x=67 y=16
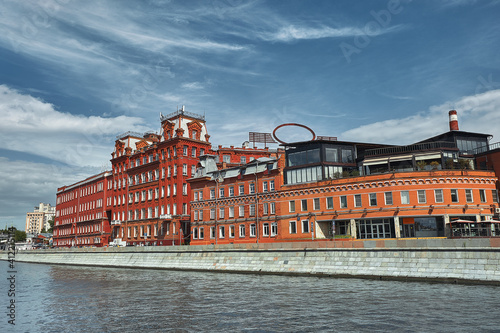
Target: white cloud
x=25 y=184
x=477 y=113
x=291 y=33
x=33 y=126
x=192 y=85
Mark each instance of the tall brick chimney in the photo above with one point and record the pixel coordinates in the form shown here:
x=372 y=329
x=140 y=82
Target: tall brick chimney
x=453 y=120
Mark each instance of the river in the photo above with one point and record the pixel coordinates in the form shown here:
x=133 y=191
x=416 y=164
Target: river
x=52 y=298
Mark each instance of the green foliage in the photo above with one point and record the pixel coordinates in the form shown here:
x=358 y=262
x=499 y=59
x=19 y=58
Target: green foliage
x=464 y=164
x=354 y=173
x=449 y=163
x=421 y=165
x=20 y=236
x=51 y=222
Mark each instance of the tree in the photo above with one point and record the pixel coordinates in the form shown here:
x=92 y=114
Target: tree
x=421 y=165
x=51 y=222
x=20 y=236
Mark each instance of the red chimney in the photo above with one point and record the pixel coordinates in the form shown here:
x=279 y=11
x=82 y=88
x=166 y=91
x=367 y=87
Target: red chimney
x=453 y=120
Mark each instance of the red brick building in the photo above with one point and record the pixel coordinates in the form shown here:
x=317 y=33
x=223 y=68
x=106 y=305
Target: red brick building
x=83 y=212
x=328 y=188
x=236 y=204
x=150 y=193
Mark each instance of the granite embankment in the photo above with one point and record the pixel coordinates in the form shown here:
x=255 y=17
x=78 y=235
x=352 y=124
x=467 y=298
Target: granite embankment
x=445 y=260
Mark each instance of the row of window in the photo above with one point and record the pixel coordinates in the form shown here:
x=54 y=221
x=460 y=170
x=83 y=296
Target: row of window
x=267 y=208
x=150 y=194
x=153 y=175
x=150 y=212
x=266 y=187
x=171 y=152
x=372 y=199
x=87 y=190
x=268 y=229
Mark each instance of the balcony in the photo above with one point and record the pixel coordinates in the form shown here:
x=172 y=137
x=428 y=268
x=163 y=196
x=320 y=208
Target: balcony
x=411 y=148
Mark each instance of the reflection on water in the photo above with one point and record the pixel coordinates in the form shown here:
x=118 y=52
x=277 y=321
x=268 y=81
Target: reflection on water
x=89 y=299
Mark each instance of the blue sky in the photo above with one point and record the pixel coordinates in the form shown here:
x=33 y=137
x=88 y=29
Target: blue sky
x=74 y=74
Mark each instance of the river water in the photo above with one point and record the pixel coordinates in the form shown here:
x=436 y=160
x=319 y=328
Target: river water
x=52 y=298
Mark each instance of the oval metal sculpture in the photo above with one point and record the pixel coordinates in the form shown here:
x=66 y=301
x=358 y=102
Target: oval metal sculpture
x=292 y=124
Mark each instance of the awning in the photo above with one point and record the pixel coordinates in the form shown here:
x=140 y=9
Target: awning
x=401 y=158
x=463 y=221
x=468 y=221
x=427 y=157
x=375 y=161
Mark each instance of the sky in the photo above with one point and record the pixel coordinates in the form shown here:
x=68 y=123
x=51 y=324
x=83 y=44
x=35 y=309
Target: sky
x=75 y=74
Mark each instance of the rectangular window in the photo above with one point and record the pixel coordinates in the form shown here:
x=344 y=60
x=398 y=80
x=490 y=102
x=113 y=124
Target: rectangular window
x=252 y=210
x=221 y=212
x=265 y=230
x=454 y=195
x=329 y=203
x=388 y=198
x=274 y=229
x=185 y=150
x=241 y=211
x=316 y=205
x=421 y=196
x=212 y=232
x=373 y=199
x=482 y=195
x=212 y=213
x=468 y=196
x=231 y=212
x=265 y=208
x=272 y=208
x=231 y=191
x=292 y=225
x=494 y=195
x=343 y=201
x=201 y=233
x=252 y=230
x=221 y=192
x=305 y=226
x=264 y=187
x=193 y=152
x=226 y=158
x=252 y=188
x=271 y=185
x=222 y=231
x=184 y=169
x=212 y=193
x=438 y=196
x=291 y=205
x=357 y=200
x=241 y=189
x=243 y=159
x=303 y=205
x=242 y=230
x=405 y=197
x=231 y=231
x=193 y=170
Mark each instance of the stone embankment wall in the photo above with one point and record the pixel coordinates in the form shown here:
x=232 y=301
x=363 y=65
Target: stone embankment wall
x=446 y=260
